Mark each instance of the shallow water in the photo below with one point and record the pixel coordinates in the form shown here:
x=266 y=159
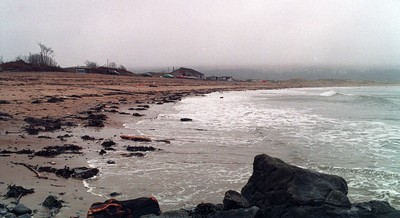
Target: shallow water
x=351 y=132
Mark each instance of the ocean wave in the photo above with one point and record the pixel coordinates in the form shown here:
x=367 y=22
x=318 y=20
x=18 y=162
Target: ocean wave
x=329 y=93
x=377 y=100
x=364 y=183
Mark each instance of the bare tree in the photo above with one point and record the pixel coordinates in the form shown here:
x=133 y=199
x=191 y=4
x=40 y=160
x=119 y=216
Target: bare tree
x=122 y=67
x=112 y=65
x=91 y=64
x=46 y=55
x=34 y=59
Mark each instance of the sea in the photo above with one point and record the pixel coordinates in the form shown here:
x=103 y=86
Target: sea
x=352 y=132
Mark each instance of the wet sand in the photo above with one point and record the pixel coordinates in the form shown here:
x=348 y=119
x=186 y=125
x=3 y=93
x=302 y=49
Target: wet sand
x=70 y=97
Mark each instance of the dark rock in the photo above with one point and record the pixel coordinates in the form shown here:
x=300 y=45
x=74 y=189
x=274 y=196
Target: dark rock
x=137 y=115
x=274 y=182
x=337 y=198
x=52 y=151
x=206 y=210
x=140 y=148
x=238 y=213
x=144 y=106
x=17 y=191
x=96 y=120
x=21 y=209
x=142 y=206
x=77 y=173
x=55 y=100
x=110 y=162
x=36 y=102
x=102 y=152
x=170 y=214
x=110 y=149
x=44 y=137
x=375 y=209
x=108 y=143
x=381 y=207
x=45 y=124
x=25 y=216
x=86 y=137
x=395 y=214
x=9 y=215
x=95 y=123
x=62 y=137
x=66 y=172
x=234 y=200
x=308 y=211
x=3 y=114
x=5 y=102
x=112 y=111
x=137 y=109
x=98 y=107
x=115 y=194
x=186 y=119
x=31 y=130
x=3 y=209
x=23 y=151
x=52 y=202
x=133 y=154
x=84 y=172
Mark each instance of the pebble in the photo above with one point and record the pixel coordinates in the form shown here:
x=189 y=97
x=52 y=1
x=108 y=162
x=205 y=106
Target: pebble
x=21 y=209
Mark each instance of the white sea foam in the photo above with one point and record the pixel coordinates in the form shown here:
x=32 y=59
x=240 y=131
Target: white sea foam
x=214 y=152
x=328 y=93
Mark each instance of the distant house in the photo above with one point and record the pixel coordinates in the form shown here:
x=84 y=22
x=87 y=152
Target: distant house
x=187 y=73
x=220 y=78
x=82 y=69
x=225 y=78
x=212 y=78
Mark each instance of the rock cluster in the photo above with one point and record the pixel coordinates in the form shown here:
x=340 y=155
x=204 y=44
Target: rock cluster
x=277 y=189
x=21 y=211
x=283 y=190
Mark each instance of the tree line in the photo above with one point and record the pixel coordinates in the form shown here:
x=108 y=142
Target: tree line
x=93 y=64
x=44 y=58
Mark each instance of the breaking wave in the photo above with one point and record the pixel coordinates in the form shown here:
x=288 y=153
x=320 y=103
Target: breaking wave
x=328 y=94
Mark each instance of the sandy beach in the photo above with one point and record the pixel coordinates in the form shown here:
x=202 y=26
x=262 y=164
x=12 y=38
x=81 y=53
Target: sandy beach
x=68 y=102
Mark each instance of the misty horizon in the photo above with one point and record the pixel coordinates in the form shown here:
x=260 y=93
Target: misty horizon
x=205 y=33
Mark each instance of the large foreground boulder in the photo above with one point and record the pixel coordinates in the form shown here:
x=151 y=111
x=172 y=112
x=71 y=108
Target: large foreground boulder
x=274 y=182
x=283 y=190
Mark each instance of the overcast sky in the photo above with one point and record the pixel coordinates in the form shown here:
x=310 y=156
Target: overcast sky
x=204 y=32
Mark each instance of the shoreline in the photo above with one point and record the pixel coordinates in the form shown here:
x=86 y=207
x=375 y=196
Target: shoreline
x=74 y=94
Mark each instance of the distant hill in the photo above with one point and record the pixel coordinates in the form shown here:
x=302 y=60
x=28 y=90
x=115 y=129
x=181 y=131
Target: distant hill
x=102 y=70
x=382 y=74
x=20 y=66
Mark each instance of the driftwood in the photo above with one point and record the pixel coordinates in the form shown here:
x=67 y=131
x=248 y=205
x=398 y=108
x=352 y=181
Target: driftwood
x=38 y=175
x=136 y=138
x=57 y=185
